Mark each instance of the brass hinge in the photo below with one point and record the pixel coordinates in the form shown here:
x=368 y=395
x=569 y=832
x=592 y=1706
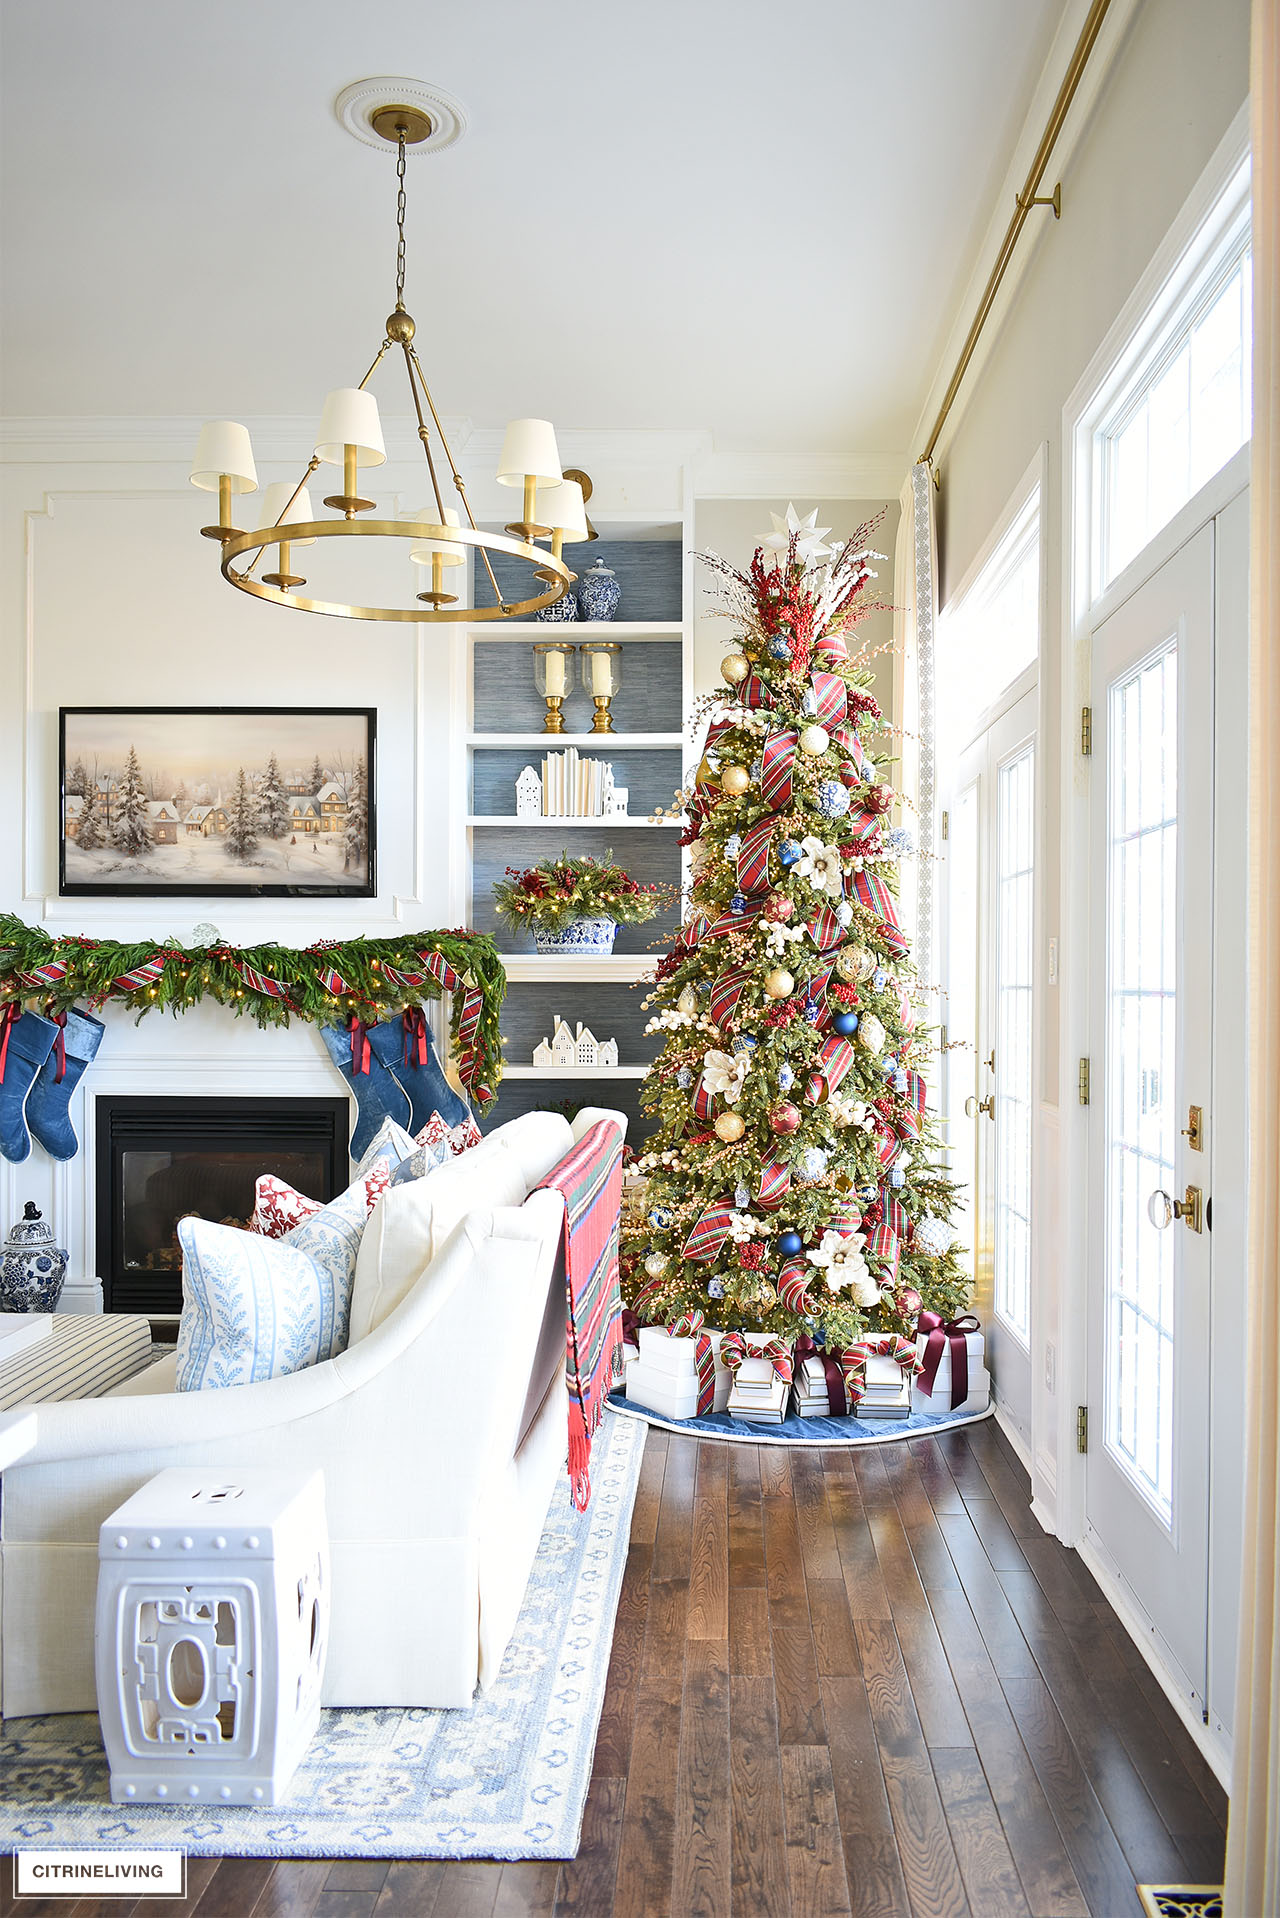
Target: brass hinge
x=946 y=825
x=1082 y=1083
x=1086 y=730
x=1082 y=1428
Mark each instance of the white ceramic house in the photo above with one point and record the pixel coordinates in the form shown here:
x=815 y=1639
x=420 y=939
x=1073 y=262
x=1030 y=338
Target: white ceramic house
x=528 y=795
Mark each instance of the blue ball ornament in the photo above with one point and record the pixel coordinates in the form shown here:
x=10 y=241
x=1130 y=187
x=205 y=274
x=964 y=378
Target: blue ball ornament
x=790 y=1244
x=832 y=799
x=779 y=647
x=660 y=1217
x=744 y=1044
x=789 y=851
x=845 y=1023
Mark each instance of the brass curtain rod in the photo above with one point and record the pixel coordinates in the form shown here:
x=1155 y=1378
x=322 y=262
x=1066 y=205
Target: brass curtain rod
x=1023 y=204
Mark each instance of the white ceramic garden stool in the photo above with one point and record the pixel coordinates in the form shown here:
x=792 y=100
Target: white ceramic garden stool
x=211 y=1632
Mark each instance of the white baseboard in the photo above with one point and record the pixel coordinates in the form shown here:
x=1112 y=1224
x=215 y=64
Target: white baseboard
x=81 y=1297
x=1212 y=1746
x=1014 y=1437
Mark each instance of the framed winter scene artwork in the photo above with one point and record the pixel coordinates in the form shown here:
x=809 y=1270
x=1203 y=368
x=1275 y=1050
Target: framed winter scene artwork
x=237 y=801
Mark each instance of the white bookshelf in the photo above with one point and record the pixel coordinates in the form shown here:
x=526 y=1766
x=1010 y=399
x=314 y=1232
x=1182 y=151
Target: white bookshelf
x=496 y=713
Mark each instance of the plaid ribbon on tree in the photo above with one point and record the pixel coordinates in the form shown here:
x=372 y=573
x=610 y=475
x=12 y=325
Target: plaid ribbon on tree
x=791 y=1289
x=893 y=1211
x=689 y=1326
x=884 y=1246
x=835 y=1057
x=589 y=1179
x=734 y=1348
x=832 y=696
x=704 y=1102
x=832 y=643
x=710 y=1232
x=726 y=992
x=775 y=1183
x=824 y=929
x=753 y=856
x=777 y=769
x=870 y=890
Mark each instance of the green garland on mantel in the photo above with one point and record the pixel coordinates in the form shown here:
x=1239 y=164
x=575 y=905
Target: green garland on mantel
x=330 y=983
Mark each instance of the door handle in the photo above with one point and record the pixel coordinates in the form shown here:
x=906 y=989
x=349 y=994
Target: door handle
x=1162 y=1210
x=973 y=1106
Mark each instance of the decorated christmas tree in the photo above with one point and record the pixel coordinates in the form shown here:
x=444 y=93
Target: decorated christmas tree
x=794 y=1176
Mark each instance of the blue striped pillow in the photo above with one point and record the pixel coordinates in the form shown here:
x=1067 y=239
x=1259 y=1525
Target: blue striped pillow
x=255 y=1308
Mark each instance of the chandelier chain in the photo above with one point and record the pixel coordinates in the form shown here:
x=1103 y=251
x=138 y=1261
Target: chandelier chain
x=400 y=203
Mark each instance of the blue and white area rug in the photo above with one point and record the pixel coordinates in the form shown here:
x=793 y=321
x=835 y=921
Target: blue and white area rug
x=506 y=1778
x=798 y=1431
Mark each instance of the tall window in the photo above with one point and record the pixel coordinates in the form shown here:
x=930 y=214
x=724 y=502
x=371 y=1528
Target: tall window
x=1184 y=407
x=993 y=636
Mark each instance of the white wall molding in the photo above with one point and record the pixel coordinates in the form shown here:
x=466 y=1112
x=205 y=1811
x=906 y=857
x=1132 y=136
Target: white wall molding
x=799 y=476
x=1105 y=51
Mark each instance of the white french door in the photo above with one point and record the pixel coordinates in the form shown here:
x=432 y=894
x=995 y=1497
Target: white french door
x=991 y=1031
x=1151 y=1027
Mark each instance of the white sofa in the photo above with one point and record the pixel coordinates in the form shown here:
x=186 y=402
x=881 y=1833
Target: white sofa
x=441 y=1435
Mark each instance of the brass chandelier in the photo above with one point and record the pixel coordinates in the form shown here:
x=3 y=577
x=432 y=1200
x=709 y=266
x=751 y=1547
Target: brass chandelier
x=350 y=437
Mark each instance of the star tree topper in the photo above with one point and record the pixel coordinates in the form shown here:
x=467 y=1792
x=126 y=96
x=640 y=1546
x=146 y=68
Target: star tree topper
x=810 y=536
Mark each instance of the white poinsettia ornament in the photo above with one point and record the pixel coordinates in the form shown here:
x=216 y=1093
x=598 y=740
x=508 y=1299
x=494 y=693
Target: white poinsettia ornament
x=839 y=1259
x=724 y=1073
x=821 y=865
x=811 y=537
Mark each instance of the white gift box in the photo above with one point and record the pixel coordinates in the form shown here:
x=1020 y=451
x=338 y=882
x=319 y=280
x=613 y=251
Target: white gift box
x=937 y=1404
x=759 y=1395
x=886 y=1395
x=811 y=1400
x=664 y=1374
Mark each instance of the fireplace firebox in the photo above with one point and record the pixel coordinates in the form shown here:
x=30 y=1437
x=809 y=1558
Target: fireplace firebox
x=161 y=1159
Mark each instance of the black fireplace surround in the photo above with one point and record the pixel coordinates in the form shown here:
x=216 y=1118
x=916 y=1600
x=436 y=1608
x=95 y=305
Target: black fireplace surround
x=161 y=1159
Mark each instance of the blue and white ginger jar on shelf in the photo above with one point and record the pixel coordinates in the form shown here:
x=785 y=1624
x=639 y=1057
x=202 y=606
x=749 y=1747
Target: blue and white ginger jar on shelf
x=566 y=607
x=32 y=1267
x=599 y=592
x=591 y=936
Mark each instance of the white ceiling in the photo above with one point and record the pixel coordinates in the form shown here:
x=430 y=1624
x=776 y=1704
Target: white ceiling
x=731 y=215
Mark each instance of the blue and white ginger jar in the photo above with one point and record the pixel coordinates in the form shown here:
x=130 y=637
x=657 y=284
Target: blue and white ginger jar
x=32 y=1267
x=566 y=607
x=599 y=592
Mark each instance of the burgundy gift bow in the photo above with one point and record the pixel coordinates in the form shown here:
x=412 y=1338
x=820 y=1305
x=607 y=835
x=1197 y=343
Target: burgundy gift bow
x=939 y=1333
x=60 y=1046
x=416 y=1045
x=837 y=1397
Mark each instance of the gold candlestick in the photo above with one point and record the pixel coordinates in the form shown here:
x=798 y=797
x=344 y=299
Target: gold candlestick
x=603 y=720
x=554 y=721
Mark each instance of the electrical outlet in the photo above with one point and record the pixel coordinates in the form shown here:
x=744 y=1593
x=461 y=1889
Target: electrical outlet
x=1053 y=962
x=1050 y=1366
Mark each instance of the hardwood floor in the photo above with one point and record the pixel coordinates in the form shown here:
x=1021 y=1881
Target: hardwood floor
x=842 y=1683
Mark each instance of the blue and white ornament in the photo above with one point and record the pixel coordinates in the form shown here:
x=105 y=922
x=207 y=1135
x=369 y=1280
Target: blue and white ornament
x=899 y=1080
x=733 y=845
x=741 y=1198
x=738 y=903
x=789 y=851
x=897 y=1177
x=779 y=647
x=879 y=979
x=744 y=1044
x=684 y=1078
x=898 y=843
x=786 y=1077
x=844 y=913
x=809 y=704
x=832 y=799
x=757 y=767
x=715 y=1288
x=812 y=1166
x=812 y=1012
x=660 y=1217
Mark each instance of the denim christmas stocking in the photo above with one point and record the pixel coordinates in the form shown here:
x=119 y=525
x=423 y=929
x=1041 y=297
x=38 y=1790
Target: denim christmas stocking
x=26 y=1041
x=378 y=1097
x=406 y=1047
x=49 y=1106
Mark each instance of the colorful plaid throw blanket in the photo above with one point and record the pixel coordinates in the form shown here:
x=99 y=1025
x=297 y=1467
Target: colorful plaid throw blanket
x=589 y=1180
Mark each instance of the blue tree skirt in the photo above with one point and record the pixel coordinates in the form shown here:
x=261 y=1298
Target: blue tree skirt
x=798 y=1431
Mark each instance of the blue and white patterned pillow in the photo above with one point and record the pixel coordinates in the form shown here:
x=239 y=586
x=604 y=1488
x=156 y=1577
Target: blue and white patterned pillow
x=423 y=1159
x=390 y=1142
x=255 y=1308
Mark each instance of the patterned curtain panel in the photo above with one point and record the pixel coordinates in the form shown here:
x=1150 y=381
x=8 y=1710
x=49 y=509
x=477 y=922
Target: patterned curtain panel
x=915 y=617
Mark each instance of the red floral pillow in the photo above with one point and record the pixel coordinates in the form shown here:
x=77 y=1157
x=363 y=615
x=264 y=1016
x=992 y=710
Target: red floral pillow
x=459 y=1138
x=278 y=1208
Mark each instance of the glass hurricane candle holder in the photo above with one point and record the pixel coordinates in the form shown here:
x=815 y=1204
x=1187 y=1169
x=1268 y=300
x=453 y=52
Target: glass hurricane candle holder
x=553 y=676
x=602 y=677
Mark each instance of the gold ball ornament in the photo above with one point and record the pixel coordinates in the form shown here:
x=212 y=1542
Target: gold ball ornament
x=848 y=962
x=730 y=1127
x=734 y=667
x=814 y=740
x=734 y=780
x=656 y=1264
x=779 y=983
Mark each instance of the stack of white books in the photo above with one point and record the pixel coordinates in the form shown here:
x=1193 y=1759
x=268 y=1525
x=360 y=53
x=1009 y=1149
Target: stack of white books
x=574 y=786
x=758 y=1394
x=663 y=1375
x=810 y=1390
x=888 y=1390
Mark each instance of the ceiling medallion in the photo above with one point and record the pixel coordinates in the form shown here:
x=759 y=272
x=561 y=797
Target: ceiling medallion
x=407 y=116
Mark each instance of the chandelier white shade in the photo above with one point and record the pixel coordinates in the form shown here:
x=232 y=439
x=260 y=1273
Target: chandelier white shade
x=350 y=418
x=223 y=452
x=522 y=577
